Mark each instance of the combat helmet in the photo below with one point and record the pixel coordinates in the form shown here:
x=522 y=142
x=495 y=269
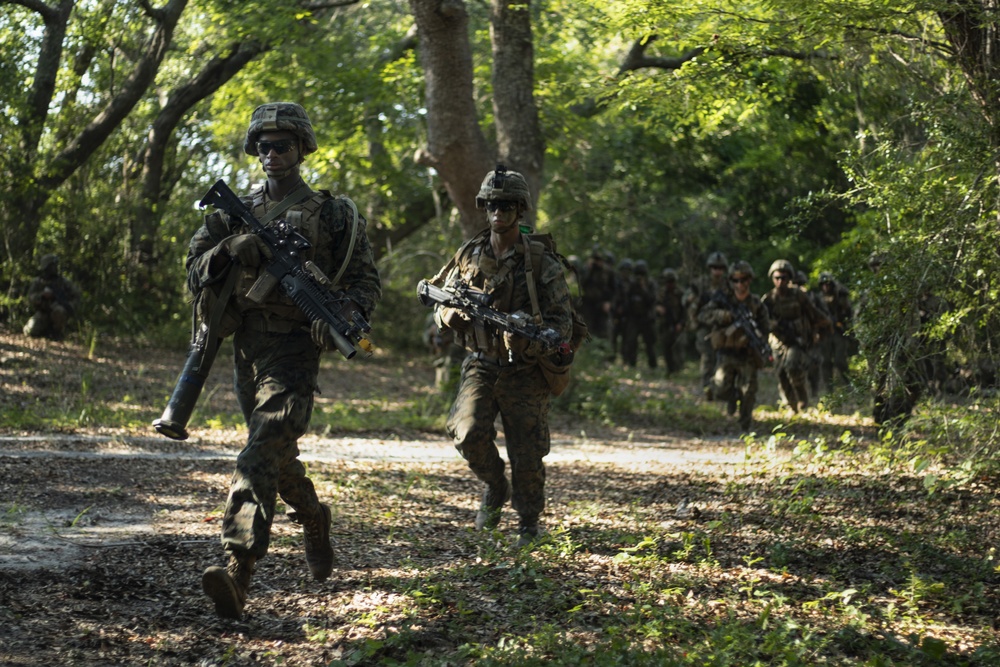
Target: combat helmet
x=669 y=275
x=48 y=262
x=801 y=278
x=716 y=259
x=826 y=277
x=741 y=266
x=782 y=265
x=280 y=116
x=625 y=265
x=503 y=185
x=642 y=267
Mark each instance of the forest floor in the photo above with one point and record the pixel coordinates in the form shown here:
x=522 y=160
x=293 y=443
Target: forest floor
x=697 y=548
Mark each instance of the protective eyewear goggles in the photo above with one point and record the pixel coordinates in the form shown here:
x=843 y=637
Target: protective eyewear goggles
x=279 y=147
x=740 y=279
x=501 y=205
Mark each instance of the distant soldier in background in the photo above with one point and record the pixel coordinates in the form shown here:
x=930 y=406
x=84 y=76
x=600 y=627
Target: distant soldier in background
x=735 y=378
x=794 y=322
x=54 y=300
x=815 y=349
x=618 y=324
x=671 y=319
x=835 y=343
x=597 y=285
x=696 y=296
x=639 y=316
x=448 y=353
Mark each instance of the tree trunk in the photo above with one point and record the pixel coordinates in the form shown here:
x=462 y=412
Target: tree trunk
x=155 y=190
x=521 y=145
x=456 y=147
x=33 y=180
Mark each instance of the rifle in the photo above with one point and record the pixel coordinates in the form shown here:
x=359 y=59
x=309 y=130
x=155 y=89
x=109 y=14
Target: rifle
x=743 y=319
x=304 y=282
x=477 y=305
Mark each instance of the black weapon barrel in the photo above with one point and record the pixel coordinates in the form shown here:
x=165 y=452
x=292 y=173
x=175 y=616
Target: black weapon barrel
x=173 y=423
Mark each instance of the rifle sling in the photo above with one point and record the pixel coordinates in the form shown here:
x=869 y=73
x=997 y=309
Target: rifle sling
x=536 y=311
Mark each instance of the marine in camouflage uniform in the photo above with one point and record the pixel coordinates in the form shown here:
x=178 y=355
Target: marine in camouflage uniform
x=794 y=323
x=597 y=286
x=639 y=316
x=54 y=300
x=502 y=375
x=671 y=319
x=623 y=278
x=276 y=350
x=695 y=297
x=815 y=347
x=836 y=343
x=735 y=379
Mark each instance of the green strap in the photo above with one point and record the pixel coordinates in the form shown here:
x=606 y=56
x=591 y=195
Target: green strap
x=350 y=244
x=302 y=193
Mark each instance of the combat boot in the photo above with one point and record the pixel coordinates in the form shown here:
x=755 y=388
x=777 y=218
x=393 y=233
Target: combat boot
x=316 y=531
x=527 y=532
x=494 y=498
x=228 y=586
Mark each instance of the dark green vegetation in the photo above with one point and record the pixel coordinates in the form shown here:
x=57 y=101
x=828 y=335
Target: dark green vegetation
x=818 y=544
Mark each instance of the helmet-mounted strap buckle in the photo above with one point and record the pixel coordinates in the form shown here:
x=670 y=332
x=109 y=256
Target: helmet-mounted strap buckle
x=270 y=120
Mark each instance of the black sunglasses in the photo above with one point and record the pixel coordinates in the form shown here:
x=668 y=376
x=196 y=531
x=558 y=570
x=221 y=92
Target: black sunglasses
x=782 y=276
x=279 y=147
x=744 y=279
x=502 y=206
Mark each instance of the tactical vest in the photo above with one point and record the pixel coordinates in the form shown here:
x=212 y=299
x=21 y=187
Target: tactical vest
x=304 y=218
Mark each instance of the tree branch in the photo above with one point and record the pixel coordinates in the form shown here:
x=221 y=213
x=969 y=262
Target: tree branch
x=637 y=58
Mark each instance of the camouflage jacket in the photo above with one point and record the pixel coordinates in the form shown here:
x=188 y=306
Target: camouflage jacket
x=506 y=280
x=324 y=220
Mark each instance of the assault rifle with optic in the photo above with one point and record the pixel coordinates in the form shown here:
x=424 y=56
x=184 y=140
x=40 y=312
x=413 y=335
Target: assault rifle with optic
x=743 y=319
x=301 y=280
x=476 y=304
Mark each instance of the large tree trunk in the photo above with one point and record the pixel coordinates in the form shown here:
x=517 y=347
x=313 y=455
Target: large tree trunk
x=456 y=147
x=521 y=145
x=973 y=30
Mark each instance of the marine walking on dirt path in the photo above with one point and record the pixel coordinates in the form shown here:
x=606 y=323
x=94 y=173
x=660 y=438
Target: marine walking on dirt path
x=503 y=373
x=737 y=361
x=277 y=349
x=795 y=324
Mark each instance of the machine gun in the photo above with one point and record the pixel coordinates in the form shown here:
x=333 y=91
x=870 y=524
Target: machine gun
x=302 y=281
x=478 y=306
x=743 y=319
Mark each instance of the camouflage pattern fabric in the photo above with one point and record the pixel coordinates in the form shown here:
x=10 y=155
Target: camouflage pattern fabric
x=52 y=314
x=836 y=344
x=670 y=324
x=520 y=395
x=638 y=320
x=794 y=320
x=492 y=383
x=276 y=362
x=695 y=297
x=735 y=377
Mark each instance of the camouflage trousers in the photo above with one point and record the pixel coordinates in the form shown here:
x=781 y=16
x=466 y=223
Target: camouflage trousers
x=275 y=377
x=735 y=382
x=49 y=322
x=836 y=351
x=706 y=353
x=521 y=397
x=792 y=365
